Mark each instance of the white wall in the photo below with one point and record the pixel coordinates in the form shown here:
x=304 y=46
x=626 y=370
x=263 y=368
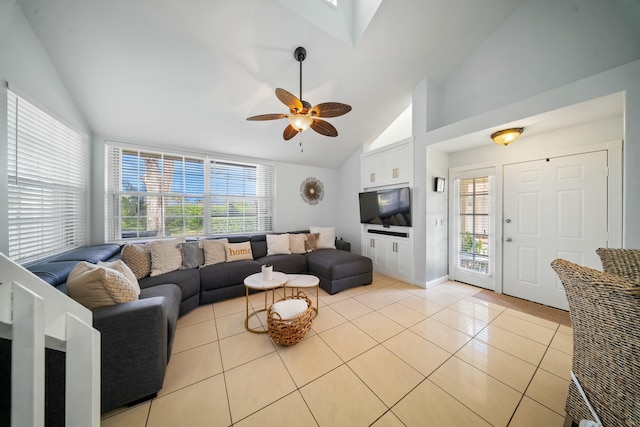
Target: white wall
x=349 y=227
x=436 y=241
x=543 y=45
x=292 y=212
x=26 y=66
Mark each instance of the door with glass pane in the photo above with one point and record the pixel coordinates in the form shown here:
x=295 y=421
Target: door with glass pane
x=473 y=237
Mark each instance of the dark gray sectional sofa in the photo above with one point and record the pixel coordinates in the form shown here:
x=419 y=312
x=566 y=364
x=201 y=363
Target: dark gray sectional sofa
x=137 y=337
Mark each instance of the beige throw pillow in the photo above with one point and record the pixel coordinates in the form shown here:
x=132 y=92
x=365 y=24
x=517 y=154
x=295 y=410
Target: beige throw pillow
x=138 y=258
x=327 y=236
x=165 y=256
x=278 y=244
x=97 y=286
x=238 y=251
x=215 y=251
x=296 y=243
x=120 y=266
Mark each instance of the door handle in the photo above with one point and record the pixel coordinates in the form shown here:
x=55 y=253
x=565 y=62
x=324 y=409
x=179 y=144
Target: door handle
x=508 y=239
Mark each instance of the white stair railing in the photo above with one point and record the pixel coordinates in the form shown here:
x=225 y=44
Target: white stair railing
x=35 y=316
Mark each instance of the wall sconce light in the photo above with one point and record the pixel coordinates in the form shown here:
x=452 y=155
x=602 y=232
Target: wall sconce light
x=506 y=136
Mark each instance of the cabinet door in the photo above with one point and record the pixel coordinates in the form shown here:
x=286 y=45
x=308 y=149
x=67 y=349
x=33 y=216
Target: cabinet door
x=372 y=170
x=374 y=248
x=389 y=165
x=391 y=259
x=398 y=258
x=404 y=163
x=397 y=164
x=404 y=257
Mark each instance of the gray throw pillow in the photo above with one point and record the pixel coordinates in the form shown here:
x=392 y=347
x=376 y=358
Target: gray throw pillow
x=192 y=255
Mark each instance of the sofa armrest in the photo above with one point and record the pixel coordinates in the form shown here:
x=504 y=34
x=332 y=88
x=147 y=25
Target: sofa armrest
x=343 y=245
x=133 y=349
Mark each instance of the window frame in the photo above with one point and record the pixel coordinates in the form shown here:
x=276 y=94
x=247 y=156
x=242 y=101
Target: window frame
x=471 y=260
x=265 y=182
x=47 y=170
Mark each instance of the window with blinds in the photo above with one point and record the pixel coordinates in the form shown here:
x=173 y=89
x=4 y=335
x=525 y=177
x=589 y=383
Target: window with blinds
x=47 y=178
x=474 y=224
x=156 y=194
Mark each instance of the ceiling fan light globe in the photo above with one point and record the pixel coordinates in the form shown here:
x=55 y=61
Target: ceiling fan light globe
x=300 y=122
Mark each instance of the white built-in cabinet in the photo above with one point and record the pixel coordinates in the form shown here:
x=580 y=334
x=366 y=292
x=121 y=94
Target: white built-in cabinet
x=388 y=167
x=392 y=256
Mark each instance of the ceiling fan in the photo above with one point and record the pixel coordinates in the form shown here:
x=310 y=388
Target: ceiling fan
x=302 y=115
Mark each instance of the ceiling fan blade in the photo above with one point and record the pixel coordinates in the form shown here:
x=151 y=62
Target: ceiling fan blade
x=330 y=109
x=290 y=100
x=324 y=128
x=289 y=132
x=267 y=117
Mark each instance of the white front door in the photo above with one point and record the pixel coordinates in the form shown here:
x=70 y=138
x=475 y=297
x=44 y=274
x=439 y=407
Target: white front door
x=553 y=208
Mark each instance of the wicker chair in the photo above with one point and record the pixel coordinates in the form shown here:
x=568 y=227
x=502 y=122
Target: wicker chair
x=605 y=314
x=623 y=262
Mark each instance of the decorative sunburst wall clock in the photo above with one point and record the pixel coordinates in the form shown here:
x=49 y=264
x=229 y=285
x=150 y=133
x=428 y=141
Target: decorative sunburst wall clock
x=312 y=190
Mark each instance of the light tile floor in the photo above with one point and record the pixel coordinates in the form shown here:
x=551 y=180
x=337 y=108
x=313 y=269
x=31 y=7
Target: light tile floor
x=387 y=354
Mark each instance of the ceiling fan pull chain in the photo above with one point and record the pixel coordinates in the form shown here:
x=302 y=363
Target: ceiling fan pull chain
x=300 y=143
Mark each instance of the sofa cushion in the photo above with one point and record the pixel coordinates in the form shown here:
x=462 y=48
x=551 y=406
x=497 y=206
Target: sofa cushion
x=327 y=238
x=138 y=258
x=334 y=264
x=192 y=254
x=97 y=286
x=239 y=251
x=290 y=264
x=188 y=280
x=54 y=273
x=165 y=256
x=215 y=251
x=259 y=245
x=278 y=244
x=91 y=254
x=227 y=274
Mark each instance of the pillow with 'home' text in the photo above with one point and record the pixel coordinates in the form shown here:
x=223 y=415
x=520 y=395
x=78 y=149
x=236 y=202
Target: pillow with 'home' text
x=238 y=251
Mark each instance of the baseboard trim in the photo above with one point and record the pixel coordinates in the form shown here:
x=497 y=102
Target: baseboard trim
x=434 y=282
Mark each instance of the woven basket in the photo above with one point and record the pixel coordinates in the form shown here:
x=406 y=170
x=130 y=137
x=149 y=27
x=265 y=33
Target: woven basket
x=290 y=331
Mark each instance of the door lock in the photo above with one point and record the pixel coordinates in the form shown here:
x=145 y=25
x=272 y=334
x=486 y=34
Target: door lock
x=508 y=239
x=507 y=220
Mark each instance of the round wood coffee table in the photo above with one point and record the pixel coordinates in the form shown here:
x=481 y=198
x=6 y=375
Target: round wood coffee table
x=255 y=281
x=304 y=281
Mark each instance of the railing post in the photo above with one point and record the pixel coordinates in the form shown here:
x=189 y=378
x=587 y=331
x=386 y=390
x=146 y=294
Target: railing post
x=82 y=398
x=27 y=358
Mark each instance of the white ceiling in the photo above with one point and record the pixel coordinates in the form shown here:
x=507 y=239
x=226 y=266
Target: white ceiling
x=187 y=73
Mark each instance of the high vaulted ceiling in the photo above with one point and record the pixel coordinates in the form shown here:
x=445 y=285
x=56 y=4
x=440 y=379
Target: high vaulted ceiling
x=187 y=73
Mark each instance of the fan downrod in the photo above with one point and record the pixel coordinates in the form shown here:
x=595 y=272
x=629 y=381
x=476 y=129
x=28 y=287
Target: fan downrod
x=300 y=54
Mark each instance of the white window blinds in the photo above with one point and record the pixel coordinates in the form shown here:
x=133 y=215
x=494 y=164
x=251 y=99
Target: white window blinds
x=156 y=194
x=47 y=179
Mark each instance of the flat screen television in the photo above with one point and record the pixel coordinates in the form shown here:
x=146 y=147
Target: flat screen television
x=386 y=207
